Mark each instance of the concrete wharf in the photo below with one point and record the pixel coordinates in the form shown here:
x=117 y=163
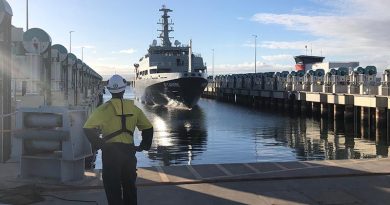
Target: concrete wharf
x=364 y=181
x=59 y=78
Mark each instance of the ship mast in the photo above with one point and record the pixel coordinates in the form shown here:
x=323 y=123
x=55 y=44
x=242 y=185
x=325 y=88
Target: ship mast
x=165 y=27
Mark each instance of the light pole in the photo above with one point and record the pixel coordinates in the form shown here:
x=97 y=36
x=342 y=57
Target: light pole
x=82 y=53
x=306 y=49
x=212 y=71
x=70 y=41
x=255 y=50
x=26 y=15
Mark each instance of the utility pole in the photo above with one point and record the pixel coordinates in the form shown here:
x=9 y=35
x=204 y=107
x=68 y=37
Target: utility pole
x=212 y=71
x=255 y=51
x=82 y=53
x=311 y=49
x=70 y=41
x=26 y=15
x=306 y=49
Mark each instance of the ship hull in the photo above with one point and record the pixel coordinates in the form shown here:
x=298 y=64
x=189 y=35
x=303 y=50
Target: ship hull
x=180 y=91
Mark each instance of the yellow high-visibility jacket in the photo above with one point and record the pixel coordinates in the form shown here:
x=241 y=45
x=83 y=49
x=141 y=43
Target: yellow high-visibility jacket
x=107 y=118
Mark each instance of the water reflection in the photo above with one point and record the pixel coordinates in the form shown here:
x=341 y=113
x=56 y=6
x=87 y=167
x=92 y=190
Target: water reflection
x=336 y=138
x=217 y=132
x=180 y=134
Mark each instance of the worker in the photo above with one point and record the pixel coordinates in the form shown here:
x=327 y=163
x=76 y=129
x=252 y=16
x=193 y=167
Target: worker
x=116 y=121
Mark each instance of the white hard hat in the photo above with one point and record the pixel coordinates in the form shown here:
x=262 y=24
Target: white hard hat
x=116 y=84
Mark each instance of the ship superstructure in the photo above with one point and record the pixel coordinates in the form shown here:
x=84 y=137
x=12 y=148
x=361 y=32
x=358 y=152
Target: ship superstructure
x=169 y=74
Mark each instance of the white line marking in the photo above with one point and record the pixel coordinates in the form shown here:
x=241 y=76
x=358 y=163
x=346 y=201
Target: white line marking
x=280 y=166
x=305 y=164
x=251 y=168
x=224 y=170
x=161 y=173
x=194 y=172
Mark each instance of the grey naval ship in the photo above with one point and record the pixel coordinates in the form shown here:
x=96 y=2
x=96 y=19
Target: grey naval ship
x=169 y=75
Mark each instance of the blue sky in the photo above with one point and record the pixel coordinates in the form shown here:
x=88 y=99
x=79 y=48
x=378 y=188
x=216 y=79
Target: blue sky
x=117 y=33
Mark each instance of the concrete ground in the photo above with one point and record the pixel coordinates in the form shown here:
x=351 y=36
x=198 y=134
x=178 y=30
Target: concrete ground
x=315 y=182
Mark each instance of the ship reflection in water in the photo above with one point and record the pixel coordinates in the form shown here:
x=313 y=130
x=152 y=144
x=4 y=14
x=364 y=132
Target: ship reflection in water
x=180 y=134
x=216 y=132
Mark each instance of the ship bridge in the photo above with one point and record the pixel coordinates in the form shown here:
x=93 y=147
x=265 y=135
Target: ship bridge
x=165 y=58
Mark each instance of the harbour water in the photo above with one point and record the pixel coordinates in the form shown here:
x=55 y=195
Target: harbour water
x=217 y=132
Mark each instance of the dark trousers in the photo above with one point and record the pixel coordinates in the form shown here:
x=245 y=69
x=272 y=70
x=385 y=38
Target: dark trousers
x=119 y=173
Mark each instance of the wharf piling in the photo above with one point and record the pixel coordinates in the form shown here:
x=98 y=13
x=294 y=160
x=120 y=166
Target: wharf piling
x=356 y=95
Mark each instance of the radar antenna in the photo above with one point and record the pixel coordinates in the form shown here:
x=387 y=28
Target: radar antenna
x=164 y=35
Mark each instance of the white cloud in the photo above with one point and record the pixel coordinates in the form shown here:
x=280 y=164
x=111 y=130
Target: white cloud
x=361 y=30
x=85 y=46
x=276 y=58
x=107 y=70
x=291 y=45
x=105 y=59
x=352 y=29
x=249 y=68
x=125 y=51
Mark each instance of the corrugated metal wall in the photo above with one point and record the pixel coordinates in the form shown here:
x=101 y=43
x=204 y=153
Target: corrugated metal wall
x=5 y=88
